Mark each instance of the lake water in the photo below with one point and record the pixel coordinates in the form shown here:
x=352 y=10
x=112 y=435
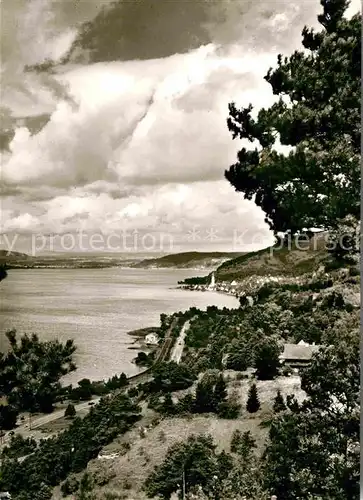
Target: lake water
x=96 y=308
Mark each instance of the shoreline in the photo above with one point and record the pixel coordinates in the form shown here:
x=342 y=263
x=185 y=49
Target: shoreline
x=142 y=332
x=205 y=288
x=99 y=364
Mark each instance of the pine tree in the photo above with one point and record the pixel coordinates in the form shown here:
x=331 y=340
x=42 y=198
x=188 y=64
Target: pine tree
x=242 y=443
x=220 y=391
x=318 y=115
x=168 y=405
x=236 y=440
x=253 y=403
x=70 y=411
x=279 y=403
x=246 y=445
x=86 y=485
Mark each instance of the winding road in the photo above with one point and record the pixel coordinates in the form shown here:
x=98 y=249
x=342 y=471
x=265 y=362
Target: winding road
x=177 y=351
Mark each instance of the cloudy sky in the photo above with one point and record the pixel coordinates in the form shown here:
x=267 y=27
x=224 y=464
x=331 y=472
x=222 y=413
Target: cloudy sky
x=127 y=133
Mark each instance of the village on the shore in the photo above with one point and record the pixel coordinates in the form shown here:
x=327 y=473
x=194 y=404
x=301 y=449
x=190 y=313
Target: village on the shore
x=239 y=288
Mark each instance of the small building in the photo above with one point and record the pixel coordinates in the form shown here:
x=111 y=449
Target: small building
x=298 y=355
x=151 y=339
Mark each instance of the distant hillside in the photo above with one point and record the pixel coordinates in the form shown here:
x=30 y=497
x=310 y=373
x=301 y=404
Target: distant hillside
x=17 y=260
x=6 y=256
x=276 y=261
x=188 y=260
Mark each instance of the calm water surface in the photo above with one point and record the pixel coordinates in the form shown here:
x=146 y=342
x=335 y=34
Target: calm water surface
x=96 y=308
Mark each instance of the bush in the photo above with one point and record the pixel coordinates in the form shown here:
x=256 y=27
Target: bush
x=143 y=359
x=169 y=377
x=242 y=444
x=70 y=486
x=200 y=461
x=237 y=361
x=287 y=371
x=83 y=392
x=267 y=362
x=133 y=392
x=167 y=407
x=185 y=405
x=235 y=441
x=253 y=403
x=19 y=447
x=229 y=410
x=279 y=403
x=265 y=291
x=70 y=411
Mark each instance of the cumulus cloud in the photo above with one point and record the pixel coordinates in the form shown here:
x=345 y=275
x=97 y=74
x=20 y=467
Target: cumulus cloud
x=139 y=123
x=203 y=214
x=140 y=144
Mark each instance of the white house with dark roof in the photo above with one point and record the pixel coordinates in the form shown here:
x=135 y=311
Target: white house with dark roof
x=151 y=339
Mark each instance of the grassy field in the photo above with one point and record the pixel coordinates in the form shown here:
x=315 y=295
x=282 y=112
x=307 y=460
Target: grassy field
x=132 y=457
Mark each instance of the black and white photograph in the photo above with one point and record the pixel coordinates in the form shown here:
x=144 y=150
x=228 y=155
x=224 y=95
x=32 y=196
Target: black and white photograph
x=180 y=234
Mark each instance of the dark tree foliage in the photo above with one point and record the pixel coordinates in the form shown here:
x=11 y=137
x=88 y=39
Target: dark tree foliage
x=115 y=382
x=70 y=411
x=69 y=451
x=236 y=440
x=237 y=361
x=19 y=447
x=194 y=461
x=253 y=403
x=318 y=115
x=169 y=377
x=3 y=272
x=144 y=359
x=267 y=360
x=204 y=401
x=243 y=444
x=313 y=450
x=279 y=403
x=70 y=486
x=240 y=355
x=30 y=371
x=210 y=395
x=229 y=409
x=84 y=390
x=185 y=404
x=220 y=390
x=86 y=485
x=167 y=407
x=8 y=416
